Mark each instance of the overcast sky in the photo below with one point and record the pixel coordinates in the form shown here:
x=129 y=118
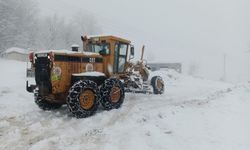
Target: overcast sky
x=187 y=31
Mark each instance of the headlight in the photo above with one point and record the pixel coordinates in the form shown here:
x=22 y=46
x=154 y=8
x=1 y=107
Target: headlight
x=89 y=67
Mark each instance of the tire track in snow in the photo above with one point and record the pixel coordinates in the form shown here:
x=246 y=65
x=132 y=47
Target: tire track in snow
x=160 y=101
x=121 y=114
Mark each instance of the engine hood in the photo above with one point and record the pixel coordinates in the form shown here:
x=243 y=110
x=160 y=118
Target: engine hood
x=68 y=52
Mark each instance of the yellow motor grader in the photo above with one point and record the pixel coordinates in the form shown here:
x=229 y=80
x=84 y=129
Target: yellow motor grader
x=100 y=74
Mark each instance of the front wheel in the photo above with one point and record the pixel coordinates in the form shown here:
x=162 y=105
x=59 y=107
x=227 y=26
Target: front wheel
x=157 y=84
x=82 y=100
x=112 y=94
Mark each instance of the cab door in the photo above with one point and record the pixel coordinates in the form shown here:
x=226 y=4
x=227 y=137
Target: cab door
x=121 y=50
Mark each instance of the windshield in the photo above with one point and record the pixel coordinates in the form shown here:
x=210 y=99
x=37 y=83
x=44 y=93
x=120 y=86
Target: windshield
x=97 y=48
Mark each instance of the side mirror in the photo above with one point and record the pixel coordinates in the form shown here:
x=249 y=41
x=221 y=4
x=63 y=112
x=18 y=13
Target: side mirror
x=132 y=52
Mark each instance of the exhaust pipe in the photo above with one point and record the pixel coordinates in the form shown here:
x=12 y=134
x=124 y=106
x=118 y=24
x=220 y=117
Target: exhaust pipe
x=75 y=47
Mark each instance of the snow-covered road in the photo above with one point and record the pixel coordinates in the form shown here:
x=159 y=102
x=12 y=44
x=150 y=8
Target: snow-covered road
x=193 y=114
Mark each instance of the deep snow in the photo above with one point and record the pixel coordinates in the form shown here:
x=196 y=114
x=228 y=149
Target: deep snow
x=193 y=114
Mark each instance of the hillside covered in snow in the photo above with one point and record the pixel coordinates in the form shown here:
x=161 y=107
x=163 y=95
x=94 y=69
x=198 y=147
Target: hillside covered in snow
x=193 y=114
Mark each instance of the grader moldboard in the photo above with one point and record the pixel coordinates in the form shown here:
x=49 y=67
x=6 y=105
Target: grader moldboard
x=101 y=73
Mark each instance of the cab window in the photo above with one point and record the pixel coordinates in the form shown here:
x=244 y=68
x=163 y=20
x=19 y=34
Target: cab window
x=103 y=48
x=120 y=57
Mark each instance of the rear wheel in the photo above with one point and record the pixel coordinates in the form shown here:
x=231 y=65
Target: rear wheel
x=82 y=100
x=157 y=84
x=112 y=94
x=44 y=104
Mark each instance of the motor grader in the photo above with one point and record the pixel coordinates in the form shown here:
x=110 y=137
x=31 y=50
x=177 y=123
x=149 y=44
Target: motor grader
x=100 y=74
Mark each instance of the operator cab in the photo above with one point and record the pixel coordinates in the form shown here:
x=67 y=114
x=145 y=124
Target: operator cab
x=116 y=51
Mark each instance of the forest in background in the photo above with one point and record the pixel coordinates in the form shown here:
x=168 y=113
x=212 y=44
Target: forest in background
x=22 y=26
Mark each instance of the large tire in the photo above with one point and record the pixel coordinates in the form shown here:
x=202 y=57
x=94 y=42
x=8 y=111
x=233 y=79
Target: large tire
x=83 y=99
x=112 y=94
x=158 y=85
x=44 y=104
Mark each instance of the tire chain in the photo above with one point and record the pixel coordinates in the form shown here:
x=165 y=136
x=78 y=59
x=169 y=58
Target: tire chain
x=105 y=94
x=73 y=101
x=44 y=104
x=154 y=82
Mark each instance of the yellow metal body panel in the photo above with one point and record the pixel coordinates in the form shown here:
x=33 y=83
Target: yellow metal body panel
x=62 y=82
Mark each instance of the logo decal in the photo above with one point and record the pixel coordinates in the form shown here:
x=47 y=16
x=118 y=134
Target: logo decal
x=56 y=73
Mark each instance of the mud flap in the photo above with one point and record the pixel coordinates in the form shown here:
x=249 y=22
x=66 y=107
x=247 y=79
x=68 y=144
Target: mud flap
x=30 y=88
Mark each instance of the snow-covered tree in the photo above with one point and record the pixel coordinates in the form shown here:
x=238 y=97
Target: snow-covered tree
x=21 y=26
x=86 y=23
x=49 y=32
x=58 y=33
x=17 y=23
